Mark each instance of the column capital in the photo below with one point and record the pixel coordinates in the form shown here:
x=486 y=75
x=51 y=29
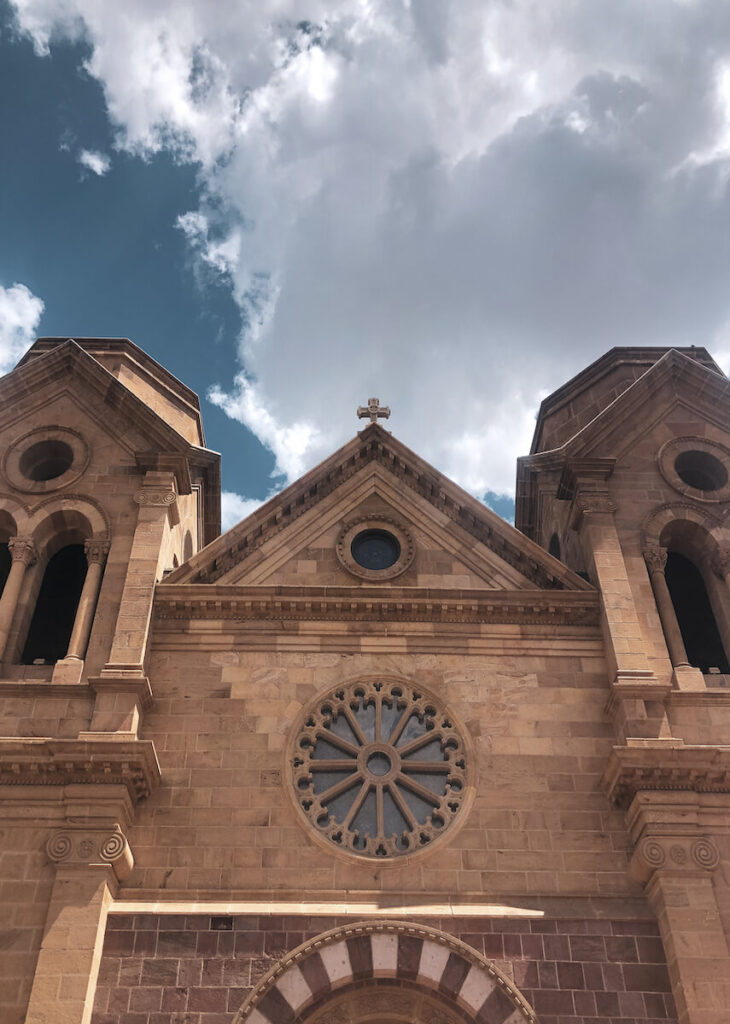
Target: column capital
x=96 y=548
x=673 y=853
x=80 y=847
x=23 y=550
x=655 y=558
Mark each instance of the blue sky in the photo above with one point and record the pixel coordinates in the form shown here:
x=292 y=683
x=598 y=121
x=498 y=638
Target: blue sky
x=293 y=206
x=104 y=252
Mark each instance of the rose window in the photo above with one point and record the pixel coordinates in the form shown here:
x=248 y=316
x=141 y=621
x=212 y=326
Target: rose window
x=379 y=769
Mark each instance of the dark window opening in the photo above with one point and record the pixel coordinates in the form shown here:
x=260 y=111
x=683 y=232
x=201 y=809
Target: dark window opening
x=554 y=546
x=5 y=563
x=694 y=613
x=701 y=470
x=45 y=460
x=375 y=549
x=55 y=610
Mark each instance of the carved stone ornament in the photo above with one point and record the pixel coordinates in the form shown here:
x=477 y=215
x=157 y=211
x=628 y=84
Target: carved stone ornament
x=655 y=558
x=721 y=561
x=379 y=769
x=673 y=853
x=157 y=496
x=96 y=549
x=22 y=550
x=587 y=503
x=98 y=847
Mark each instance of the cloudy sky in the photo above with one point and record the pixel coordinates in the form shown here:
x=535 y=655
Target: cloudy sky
x=454 y=205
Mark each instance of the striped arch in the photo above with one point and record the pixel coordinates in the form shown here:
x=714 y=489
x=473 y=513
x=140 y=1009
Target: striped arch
x=660 y=517
x=355 y=955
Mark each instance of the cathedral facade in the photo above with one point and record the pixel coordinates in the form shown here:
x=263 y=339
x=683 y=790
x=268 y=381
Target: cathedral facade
x=373 y=755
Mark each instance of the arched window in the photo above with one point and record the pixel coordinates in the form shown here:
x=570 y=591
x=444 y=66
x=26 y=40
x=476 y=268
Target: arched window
x=695 y=616
x=55 y=609
x=5 y=563
x=554 y=546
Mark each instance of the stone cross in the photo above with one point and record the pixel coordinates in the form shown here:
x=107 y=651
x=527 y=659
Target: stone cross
x=373 y=410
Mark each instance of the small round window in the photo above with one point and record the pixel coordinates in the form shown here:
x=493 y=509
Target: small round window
x=379 y=769
x=701 y=470
x=45 y=460
x=375 y=549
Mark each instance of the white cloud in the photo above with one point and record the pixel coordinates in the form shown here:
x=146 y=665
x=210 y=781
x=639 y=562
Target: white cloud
x=454 y=206
x=234 y=508
x=92 y=160
x=20 y=314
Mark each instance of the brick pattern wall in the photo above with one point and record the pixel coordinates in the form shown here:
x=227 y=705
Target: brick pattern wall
x=198 y=970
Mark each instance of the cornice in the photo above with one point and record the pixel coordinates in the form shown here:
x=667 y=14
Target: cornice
x=695 y=768
x=55 y=762
x=375 y=604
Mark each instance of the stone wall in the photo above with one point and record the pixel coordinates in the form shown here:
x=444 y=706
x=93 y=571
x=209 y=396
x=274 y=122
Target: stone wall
x=198 y=969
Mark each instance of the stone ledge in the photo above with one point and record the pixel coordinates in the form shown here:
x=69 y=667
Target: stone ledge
x=42 y=688
x=45 y=761
x=659 y=766
x=396 y=604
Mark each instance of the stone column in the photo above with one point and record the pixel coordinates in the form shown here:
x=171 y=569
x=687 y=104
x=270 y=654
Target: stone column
x=89 y=864
x=656 y=560
x=677 y=872
x=23 y=555
x=96 y=552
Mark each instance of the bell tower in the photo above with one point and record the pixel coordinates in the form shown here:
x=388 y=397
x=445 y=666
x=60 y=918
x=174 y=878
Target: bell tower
x=628 y=481
x=107 y=437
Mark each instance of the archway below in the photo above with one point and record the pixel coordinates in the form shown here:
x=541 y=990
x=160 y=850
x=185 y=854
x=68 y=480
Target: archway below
x=326 y=980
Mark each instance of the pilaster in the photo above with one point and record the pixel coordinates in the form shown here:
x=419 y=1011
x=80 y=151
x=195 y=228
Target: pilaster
x=676 y=859
x=89 y=864
x=122 y=689
x=636 y=700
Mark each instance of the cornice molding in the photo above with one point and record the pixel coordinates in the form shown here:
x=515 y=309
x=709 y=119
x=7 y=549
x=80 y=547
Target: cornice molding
x=374 y=604
x=52 y=762
x=698 y=769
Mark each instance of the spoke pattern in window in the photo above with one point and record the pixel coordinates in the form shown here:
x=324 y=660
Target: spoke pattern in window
x=379 y=769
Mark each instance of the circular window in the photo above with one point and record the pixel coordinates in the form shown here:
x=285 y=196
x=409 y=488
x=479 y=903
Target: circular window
x=45 y=460
x=696 y=467
x=375 y=548
x=379 y=769
x=701 y=470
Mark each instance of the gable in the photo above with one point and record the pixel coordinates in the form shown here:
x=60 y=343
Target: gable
x=443 y=554
x=457 y=538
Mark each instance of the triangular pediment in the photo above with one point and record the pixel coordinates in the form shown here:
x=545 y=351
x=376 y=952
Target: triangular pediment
x=458 y=542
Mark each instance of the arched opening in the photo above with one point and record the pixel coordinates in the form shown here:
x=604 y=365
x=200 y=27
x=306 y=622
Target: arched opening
x=554 y=546
x=187 y=551
x=5 y=563
x=7 y=530
x=696 y=619
x=55 y=609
